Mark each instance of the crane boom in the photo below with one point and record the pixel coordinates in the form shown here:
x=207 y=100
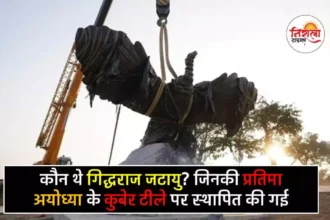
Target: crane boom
x=57 y=104
x=52 y=131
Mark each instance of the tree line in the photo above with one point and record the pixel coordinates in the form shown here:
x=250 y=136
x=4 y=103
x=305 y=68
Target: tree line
x=270 y=122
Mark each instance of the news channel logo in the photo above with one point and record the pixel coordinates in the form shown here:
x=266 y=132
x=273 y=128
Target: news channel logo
x=305 y=34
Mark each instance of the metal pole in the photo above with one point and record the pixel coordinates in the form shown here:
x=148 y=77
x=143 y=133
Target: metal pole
x=100 y=19
x=103 y=12
x=114 y=134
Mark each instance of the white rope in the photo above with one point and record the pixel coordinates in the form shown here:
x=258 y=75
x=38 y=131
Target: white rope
x=163 y=2
x=163 y=35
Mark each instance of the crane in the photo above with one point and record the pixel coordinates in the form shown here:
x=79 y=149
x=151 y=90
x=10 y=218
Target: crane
x=64 y=99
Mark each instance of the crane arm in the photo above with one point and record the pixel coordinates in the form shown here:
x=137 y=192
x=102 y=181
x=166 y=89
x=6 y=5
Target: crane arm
x=52 y=132
x=58 y=102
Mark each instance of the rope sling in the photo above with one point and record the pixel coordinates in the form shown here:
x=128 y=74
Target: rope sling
x=162 y=10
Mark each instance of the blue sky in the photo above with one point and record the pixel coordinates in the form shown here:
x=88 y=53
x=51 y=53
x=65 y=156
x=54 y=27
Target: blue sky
x=247 y=37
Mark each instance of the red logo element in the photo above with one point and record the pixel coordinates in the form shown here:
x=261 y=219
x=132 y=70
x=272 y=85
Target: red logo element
x=310 y=32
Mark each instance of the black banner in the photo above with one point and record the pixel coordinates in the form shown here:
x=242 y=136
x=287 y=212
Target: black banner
x=161 y=189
